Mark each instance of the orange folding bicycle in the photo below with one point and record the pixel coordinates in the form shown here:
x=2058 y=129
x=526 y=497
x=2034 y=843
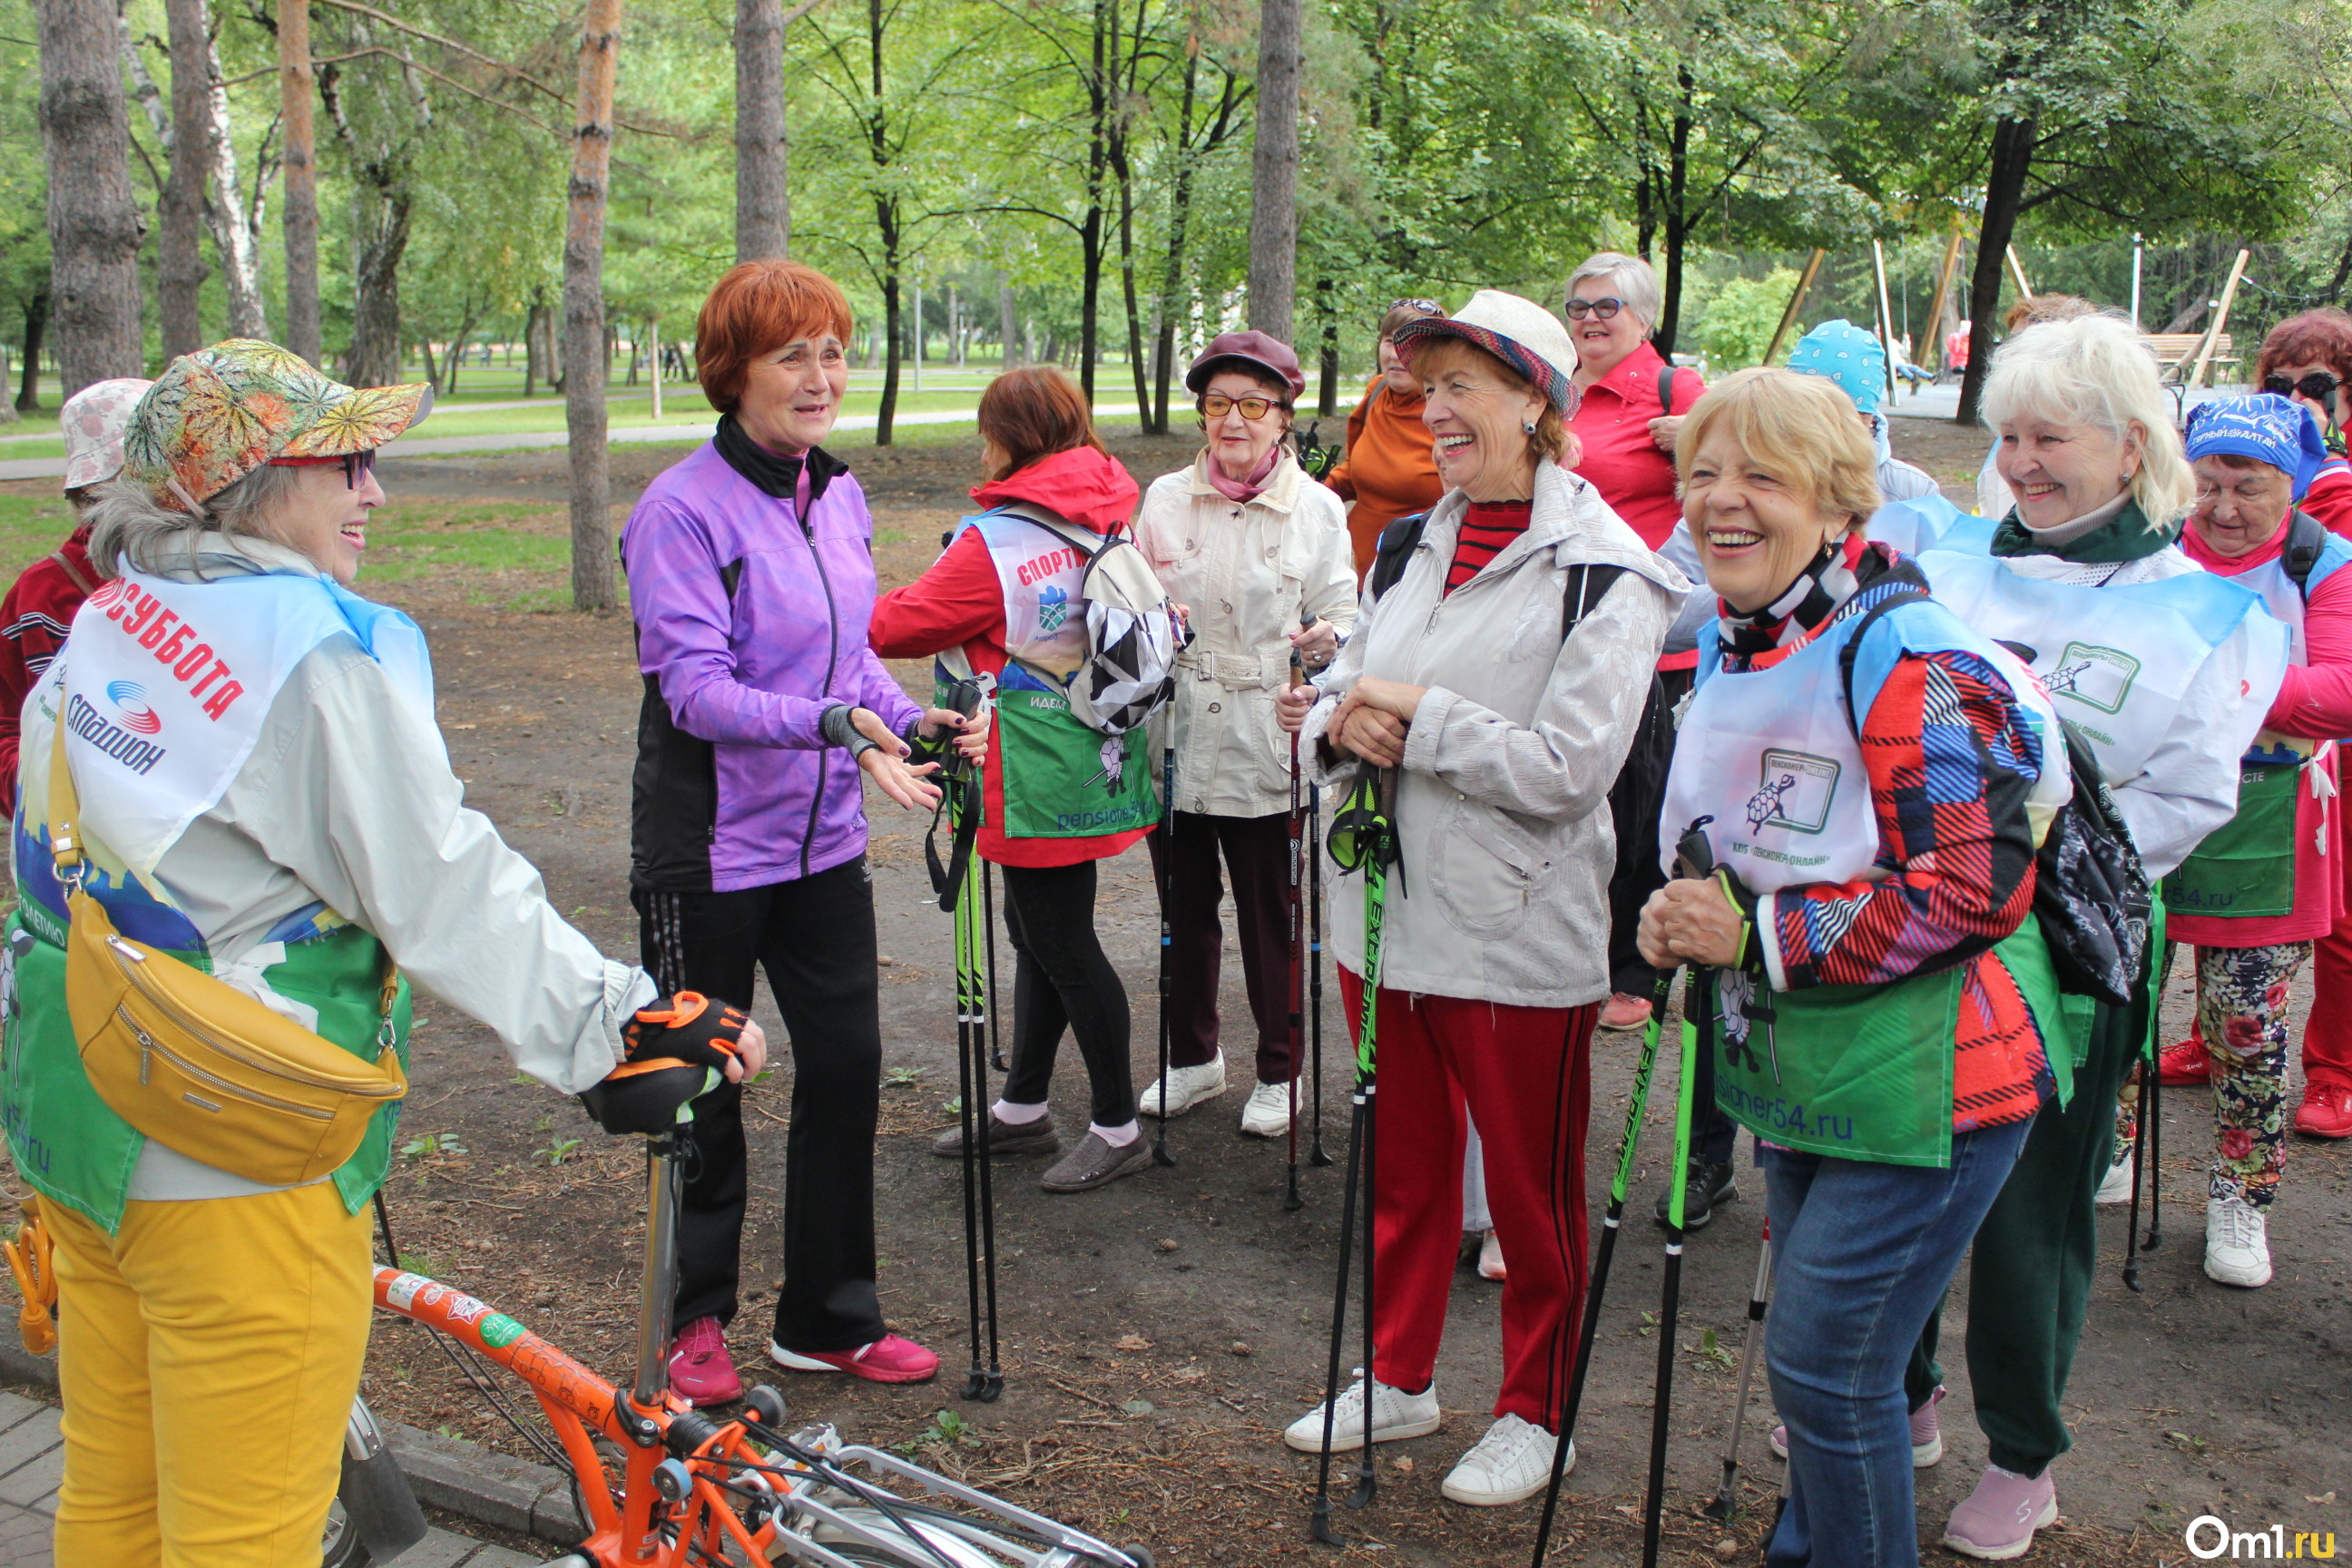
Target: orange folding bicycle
x=681 y=1488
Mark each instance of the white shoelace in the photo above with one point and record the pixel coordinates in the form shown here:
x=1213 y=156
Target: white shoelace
x=2237 y=1229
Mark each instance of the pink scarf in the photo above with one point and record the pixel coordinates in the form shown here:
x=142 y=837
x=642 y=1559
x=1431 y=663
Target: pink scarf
x=1246 y=489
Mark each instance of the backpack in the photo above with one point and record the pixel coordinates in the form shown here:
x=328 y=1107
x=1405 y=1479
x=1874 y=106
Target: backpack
x=1587 y=582
x=2090 y=891
x=1129 y=670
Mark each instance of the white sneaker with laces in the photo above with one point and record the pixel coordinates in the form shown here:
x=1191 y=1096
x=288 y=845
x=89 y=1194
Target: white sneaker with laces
x=2237 y=1243
x=1511 y=1464
x=1266 y=1113
x=1185 y=1088
x=2117 y=1187
x=1396 y=1416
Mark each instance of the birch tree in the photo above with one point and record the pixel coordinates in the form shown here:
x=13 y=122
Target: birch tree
x=584 y=309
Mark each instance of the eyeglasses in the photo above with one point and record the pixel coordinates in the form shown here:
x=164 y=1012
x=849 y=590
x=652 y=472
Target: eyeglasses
x=1431 y=305
x=353 y=464
x=1604 y=308
x=1216 y=405
x=2315 y=386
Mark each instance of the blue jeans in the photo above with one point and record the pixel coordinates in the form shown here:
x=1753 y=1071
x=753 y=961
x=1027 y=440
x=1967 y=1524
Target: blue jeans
x=1861 y=1254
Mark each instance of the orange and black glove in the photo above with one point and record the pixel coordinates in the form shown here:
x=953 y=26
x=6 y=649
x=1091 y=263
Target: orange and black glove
x=667 y=1048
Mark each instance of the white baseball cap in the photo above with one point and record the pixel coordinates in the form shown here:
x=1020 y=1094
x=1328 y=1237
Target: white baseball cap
x=92 y=422
x=1519 y=331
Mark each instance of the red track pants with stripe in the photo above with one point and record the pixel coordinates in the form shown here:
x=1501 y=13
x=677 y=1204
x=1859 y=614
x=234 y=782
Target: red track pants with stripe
x=1525 y=1074
x=2327 y=1034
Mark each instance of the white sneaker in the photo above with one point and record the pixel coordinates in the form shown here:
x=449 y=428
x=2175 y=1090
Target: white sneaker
x=2116 y=1188
x=1266 y=1113
x=1490 y=1259
x=2237 y=1243
x=1396 y=1416
x=1185 y=1088
x=1511 y=1464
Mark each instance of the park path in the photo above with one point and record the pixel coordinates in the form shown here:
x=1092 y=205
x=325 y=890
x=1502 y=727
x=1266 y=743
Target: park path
x=32 y=1458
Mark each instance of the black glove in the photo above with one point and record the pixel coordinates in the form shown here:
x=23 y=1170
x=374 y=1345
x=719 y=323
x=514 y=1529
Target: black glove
x=671 y=1051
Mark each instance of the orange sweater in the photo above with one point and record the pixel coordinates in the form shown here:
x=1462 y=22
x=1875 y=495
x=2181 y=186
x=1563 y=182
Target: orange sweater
x=1388 y=471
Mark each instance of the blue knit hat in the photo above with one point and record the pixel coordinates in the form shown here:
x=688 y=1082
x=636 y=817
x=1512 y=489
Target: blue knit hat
x=1844 y=353
x=2267 y=428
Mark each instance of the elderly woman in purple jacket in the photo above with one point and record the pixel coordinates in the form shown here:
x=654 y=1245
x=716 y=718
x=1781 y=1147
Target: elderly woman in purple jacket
x=751 y=579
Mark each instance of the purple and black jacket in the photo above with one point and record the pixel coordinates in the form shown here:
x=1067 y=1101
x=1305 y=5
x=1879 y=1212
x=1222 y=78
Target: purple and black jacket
x=751 y=615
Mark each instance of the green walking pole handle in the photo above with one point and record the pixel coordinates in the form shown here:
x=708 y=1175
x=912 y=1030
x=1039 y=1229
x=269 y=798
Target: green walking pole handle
x=1694 y=857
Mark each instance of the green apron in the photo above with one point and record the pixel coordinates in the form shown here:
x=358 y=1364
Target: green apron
x=1063 y=779
x=2244 y=870
x=73 y=1150
x=1864 y=1072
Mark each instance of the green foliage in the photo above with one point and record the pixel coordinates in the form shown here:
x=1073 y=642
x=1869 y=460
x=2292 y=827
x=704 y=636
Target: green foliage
x=432 y=1146
x=1737 y=324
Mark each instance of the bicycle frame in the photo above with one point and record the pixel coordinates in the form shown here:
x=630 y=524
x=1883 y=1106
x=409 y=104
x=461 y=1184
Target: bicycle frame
x=691 y=1487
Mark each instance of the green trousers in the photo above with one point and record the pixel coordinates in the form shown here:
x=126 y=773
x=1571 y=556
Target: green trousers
x=2030 y=1274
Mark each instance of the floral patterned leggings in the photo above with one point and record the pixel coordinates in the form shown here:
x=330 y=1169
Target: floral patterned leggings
x=2242 y=1011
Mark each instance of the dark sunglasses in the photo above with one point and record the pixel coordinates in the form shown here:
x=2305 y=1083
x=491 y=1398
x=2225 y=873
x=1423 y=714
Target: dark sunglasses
x=1604 y=308
x=2317 y=386
x=353 y=465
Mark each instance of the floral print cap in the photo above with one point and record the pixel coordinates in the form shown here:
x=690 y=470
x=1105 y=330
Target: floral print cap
x=220 y=413
x=92 y=422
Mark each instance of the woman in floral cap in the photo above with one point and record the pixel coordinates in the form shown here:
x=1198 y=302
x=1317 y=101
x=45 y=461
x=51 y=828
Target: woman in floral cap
x=263 y=793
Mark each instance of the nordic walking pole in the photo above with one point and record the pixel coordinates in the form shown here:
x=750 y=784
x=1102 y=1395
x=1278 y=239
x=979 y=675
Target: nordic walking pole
x=1611 y=1226
x=1697 y=860
x=1376 y=852
x=1315 y=1152
x=2153 y=1077
x=1296 y=995
x=988 y=939
x=1376 y=886
x=986 y=1380
x=1159 y=1154
x=1727 y=1494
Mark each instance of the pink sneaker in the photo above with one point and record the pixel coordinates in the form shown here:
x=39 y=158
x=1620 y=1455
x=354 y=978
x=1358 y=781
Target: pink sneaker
x=701 y=1370
x=1926 y=1435
x=1624 y=1011
x=889 y=1359
x=1998 y=1519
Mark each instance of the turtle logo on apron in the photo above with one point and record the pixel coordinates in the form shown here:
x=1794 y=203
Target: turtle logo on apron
x=1795 y=793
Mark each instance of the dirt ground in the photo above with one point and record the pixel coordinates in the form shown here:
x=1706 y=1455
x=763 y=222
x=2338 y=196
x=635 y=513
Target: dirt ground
x=1158 y=1333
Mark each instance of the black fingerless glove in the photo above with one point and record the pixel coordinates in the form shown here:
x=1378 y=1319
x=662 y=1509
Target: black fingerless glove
x=689 y=1028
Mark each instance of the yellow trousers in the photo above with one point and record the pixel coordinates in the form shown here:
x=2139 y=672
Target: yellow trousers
x=208 y=1355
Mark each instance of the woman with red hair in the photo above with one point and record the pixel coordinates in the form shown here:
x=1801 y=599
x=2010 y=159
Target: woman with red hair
x=751 y=577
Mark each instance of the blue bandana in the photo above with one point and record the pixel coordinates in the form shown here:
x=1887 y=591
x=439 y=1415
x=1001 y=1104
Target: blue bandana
x=1846 y=355
x=2265 y=427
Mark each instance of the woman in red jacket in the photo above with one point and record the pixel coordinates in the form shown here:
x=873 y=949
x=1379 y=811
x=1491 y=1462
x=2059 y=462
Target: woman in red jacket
x=1058 y=796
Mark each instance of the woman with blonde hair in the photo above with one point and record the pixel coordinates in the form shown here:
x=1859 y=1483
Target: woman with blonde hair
x=1911 y=991
x=2167 y=671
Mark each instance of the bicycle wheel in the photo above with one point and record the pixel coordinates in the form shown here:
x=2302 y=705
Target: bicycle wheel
x=341 y=1547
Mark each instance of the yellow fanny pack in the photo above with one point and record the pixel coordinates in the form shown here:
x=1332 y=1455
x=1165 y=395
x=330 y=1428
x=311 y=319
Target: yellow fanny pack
x=196 y=1065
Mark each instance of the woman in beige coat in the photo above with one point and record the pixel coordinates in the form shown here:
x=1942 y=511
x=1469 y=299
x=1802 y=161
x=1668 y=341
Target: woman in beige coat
x=1258 y=554
x=1505 y=715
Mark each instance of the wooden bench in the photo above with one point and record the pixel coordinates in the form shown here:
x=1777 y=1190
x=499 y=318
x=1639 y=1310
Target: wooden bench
x=2176 y=351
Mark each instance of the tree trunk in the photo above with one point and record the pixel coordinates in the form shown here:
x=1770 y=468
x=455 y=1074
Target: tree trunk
x=374 y=357
x=431 y=366
x=583 y=311
x=95 y=230
x=232 y=237
x=1008 y=324
x=1326 y=395
x=1138 y=369
x=2013 y=155
x=763 y=212
x=532 y=370
x=299 y=220
x=1273 y=171
x=894 y=325
x=37 y=318
x=1171 y=278
x=1677 y=221
x=180 y=262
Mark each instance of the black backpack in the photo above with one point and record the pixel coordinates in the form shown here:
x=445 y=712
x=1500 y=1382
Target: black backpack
x=1587 y=582
x=2090 y=891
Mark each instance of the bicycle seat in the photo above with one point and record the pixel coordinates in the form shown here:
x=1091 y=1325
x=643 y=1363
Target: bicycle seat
x=648 y=1097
